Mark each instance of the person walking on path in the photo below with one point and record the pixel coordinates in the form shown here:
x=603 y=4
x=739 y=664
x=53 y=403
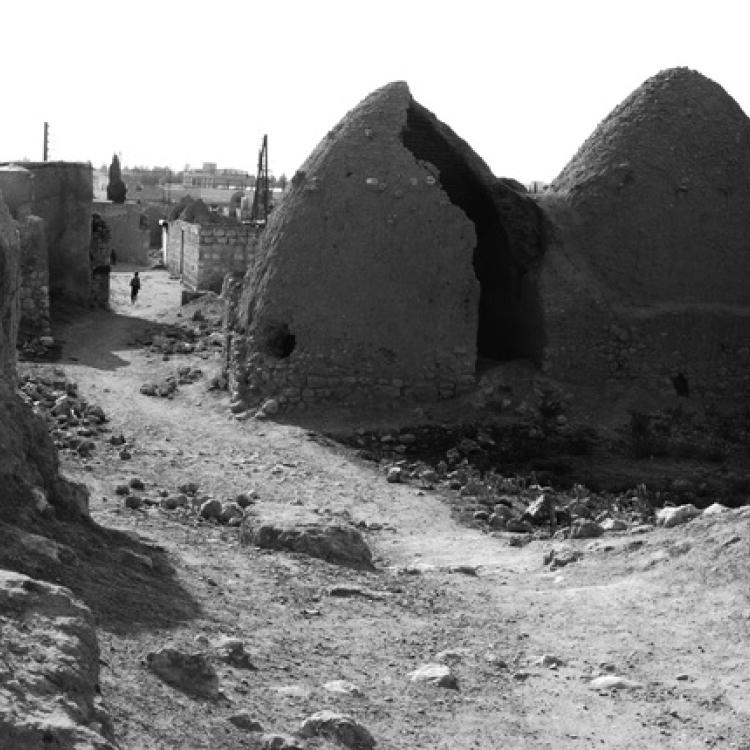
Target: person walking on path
x=135 y=287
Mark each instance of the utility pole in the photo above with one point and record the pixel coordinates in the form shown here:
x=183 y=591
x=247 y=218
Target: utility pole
x=46 y=141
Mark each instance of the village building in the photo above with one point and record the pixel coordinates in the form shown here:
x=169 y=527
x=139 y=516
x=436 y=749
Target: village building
x=52 y=203
x=399 y=267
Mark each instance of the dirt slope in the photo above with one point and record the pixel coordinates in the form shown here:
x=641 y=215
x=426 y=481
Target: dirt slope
x=667 y=608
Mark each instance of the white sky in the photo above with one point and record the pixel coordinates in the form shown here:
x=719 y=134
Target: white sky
x=176 y=81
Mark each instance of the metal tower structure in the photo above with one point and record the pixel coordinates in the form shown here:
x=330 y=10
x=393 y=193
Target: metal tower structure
x=259 y=210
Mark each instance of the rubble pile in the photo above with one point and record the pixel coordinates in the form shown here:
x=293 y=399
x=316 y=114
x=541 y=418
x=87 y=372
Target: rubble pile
x=73 y=423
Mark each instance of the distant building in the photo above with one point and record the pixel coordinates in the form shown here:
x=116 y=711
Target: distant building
x=211 y=177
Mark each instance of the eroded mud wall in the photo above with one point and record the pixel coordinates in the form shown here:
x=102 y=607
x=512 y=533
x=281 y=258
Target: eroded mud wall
x=62 y=196
x=10 y=281
x=130 y=234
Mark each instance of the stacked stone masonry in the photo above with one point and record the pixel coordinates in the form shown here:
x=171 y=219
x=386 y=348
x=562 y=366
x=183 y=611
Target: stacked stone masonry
x=203 y=254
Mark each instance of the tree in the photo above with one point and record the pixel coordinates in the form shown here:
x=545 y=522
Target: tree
x=282 y=182
x=116 y=190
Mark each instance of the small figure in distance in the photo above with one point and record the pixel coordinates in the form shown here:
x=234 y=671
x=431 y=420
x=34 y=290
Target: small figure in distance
x=135 y=287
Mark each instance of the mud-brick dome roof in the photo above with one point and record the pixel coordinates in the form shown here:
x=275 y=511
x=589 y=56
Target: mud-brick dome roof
x=661 y=191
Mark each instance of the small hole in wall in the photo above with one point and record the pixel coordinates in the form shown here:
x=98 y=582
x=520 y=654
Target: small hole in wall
x=680 y=383
x=280 y=342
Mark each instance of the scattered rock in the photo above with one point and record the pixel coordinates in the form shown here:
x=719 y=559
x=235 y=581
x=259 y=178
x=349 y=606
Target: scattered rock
x=560 y=558
x=210 y=509
x=582 y=528
x=351 y=591
x=394 y=474
x=137 y=484
x=669 y=516
x=133 y=502
x=229 y=511
x=280 y=742
x=243 y=720
x=613 y=524
x=453 y=654
x=245 y=499
x=191 y=673
x=232 y=651
x=343 y=688
x=303 y=532
x=613 y=682
x=436 y=674
x=122 y=489
x=173 y=502
x=550 y=661
x=339 y=727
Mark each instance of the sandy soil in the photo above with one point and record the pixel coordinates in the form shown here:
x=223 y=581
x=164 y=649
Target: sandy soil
x=668 y=608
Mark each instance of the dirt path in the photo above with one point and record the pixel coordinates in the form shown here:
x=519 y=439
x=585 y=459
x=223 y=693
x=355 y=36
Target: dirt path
x=667 y=609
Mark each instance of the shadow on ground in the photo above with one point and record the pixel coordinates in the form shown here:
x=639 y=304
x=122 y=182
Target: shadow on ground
x=92 y=337
x=128 y=585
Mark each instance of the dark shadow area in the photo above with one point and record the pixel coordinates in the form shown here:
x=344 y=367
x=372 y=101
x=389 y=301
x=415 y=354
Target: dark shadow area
x=90 y=337
x=510 y=322
x=127 y=584
x=279 y=342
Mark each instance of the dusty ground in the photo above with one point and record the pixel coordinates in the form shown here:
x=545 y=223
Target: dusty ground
x=669 y=609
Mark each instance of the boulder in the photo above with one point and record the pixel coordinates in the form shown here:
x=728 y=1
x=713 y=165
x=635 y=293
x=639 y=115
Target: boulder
x=49 y=672
x=339 y=727
x=670 y=516
x=297 y=530
x=191 y=673
x=436 y=674
x=585 y=529
x=210 y=509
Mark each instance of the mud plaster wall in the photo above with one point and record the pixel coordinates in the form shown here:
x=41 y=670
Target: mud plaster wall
x=63 y=198
x=9 y=293
x=16 y=185
x=364 y=287
x=129 y=239
x=203 y=254
x=35 y=311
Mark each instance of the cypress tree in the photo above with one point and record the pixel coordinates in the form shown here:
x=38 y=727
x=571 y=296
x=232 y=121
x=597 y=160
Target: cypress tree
x=116 y=190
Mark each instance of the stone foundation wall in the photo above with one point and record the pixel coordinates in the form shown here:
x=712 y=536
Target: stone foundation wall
x=304 y=379
x=203 y=254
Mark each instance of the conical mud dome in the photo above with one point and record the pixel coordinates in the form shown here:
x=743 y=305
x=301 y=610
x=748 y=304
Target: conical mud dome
x=369 y=274
x=661 y=191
